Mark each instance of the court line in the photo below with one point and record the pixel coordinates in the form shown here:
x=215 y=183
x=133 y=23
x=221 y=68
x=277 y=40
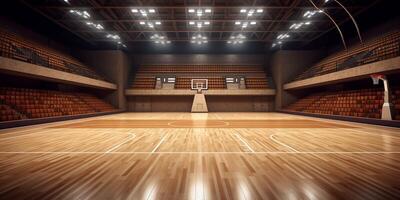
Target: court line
x=205 y=152
x=158 y=145
x=281 y=143
x=244 y=142
x=130 y=137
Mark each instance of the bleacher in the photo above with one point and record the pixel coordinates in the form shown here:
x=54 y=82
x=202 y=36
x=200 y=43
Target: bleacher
x=380 y=48
x=357 y=103
x=16 y=47
x=145 y=76
x=23 y=103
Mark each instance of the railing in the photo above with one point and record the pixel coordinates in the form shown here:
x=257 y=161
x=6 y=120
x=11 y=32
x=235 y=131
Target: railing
x=14 y=49
x=387 y=49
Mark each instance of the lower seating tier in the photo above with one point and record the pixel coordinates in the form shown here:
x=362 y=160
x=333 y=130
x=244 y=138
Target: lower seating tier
x=357 y=103
x=22 y=103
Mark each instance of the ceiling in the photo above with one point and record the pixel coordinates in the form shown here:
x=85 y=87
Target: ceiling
x=116 y=18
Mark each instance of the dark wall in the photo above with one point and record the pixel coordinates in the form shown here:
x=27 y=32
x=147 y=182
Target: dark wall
x=146 y=59
x=285 y=66
x=214 y=103
x=160 y=103
x=115 y=66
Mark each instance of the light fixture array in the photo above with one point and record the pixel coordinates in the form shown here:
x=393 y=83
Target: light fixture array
x=199 y=12
x=159 y=39
x=238 y=39
x=308 y=14
x=199 y=39
x=84 y=14
x=94 y=25
x=299 y=25
x=199 y=24
x=150 y=24
x=251 y=11
x=144 y=12
x=245 y=24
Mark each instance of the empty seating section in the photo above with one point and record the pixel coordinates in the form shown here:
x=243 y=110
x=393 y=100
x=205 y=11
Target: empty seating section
x=9 y=114
x=381 y=48
x=33 y=103
x=145 y=77
x=94 y=102
x=358 y=103
x=15 y=47
x=256 y=83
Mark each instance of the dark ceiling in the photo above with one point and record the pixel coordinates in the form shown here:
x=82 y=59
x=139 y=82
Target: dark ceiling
x=116 y=17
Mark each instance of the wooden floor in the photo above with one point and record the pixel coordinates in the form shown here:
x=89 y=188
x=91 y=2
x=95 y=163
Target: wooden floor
x=200 y=156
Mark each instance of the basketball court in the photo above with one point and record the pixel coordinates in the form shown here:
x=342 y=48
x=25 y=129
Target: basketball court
x=200 y=156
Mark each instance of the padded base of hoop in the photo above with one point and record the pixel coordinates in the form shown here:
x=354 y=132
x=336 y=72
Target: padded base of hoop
x=199 y=104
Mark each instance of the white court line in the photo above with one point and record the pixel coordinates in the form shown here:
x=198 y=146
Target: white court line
x=244 y=142
x=130 y=137
x=158 y=145
x=205 y=152
x=281 y=143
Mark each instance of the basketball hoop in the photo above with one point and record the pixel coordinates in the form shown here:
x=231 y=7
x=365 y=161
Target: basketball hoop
x=376 y=78
x=199 y=84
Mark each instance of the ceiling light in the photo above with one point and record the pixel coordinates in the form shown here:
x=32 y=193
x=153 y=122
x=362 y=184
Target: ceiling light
x=307 y=23
x=113 y=36
x=160 y=39
x=158 y=22
x=207 y=23
x=238 y=39
x=199 y=39
x=283 y=36
x=208 y=10
x=134 y=10
x=243 y=10
x=83 y=14
x=191 y=10
x=253 y=23
x=151 y=10
x=191 y=22
x=249 y=14
x=142 y=23
x=260 y=10
x=237 y=23
x=66 y=1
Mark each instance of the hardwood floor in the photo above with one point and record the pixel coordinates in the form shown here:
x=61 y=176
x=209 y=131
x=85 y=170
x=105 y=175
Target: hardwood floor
x=200 y=156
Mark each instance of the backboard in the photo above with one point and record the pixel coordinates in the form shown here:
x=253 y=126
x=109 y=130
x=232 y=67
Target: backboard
x=199 y=84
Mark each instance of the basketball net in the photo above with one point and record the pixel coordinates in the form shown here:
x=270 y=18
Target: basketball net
x=199 y=87
x=377 y=77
